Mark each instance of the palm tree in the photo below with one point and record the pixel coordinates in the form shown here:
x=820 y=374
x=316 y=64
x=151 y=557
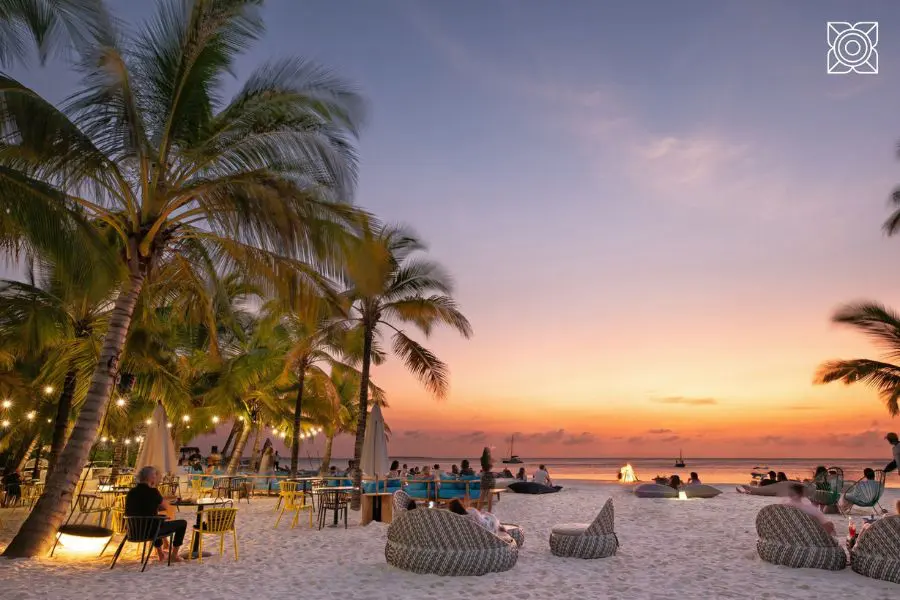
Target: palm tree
x=416 y=292
x=334 y=405
x=146 y=148
x=882 y=325
x=53 y=25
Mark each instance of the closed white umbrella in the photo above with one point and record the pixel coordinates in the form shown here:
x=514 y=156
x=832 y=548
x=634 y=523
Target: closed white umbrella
x=375 y=459
x=158 y=449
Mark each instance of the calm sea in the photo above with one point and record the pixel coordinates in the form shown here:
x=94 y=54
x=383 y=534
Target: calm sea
x=713 y=470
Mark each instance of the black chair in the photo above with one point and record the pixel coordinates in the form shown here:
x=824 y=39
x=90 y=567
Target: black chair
x=144 y=531
x=337 y=502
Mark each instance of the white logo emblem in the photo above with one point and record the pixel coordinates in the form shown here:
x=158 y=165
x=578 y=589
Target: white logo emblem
x=852 y=47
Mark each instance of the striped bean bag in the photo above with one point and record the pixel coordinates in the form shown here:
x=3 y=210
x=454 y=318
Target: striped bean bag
x=440 y=542
x=877 y=550
x=788 y=536
x=594 y=540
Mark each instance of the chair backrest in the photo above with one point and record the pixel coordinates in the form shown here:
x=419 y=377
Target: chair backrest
x=882 y=538
x=791 y=526
x=142 y=529
x=400 y=500
x=333 y=499
x=219 y=520
x=441 y=529
x=288 y=487
x=604 y=523
x=866 y=492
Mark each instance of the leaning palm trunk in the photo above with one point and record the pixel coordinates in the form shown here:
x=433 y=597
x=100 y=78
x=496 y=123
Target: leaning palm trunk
x=254 y=455
x=295 y=443
x=60 y=428
x=25 y=450
x=361 y=422
x=234 y=429
x=326 y=455
x=37 y=532
x=238 y=453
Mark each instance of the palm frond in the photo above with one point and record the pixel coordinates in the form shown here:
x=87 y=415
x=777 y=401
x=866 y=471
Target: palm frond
x=422 y=363
x=883 y=377
x=875 y=320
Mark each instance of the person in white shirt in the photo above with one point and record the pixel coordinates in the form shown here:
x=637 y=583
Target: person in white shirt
x=542 y=477
x=796 y=499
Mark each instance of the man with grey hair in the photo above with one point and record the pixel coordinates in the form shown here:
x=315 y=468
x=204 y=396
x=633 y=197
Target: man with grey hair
x=144 y=500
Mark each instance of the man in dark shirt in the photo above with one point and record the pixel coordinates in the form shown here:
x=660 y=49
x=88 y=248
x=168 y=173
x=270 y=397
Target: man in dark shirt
x=144 y=500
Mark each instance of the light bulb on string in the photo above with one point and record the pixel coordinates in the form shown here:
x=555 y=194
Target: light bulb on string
x=185 y=418
x=215 y=420
x=127 y=441
x=120 y=402
x=48 y=389
x=149 y=421
x=6 y=404
x=104 y=439
x=49 y=420
x=31 y=415
x=4 y=423
x=241 y=418
x=168 y=426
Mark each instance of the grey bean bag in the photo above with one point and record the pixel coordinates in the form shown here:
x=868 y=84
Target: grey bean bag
x=776 y=489
x=701 y=491
x=654 y=490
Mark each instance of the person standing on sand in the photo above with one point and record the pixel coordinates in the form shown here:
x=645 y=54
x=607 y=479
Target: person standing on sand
x=894 y=441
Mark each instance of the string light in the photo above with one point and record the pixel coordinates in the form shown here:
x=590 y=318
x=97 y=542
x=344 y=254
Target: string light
x=215 y=419
x=127 y=441
x=49 y=420
x=30 y=416
x=48 y=389
x=149 y=421
x=186 y=418
x=241 y=418
x=139 y=438
x=168 y=425
x=6 y=404
x=120 y=402
x=104 y=439
x=4 y=423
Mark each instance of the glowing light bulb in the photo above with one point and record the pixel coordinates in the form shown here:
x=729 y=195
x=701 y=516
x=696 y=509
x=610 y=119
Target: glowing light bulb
x=48 y=389
x=215 y=419
x=186 y=418
x=30 y=416
x=49 y=420
x=4 y=423
x=120 y=402
x=127 y=441
x=139 y=439
x=168 y=426
x=6 y=404
x=241 y=418
x=149 y=421
x=104 y=439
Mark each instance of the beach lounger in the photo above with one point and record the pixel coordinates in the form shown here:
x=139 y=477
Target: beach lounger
x=581 y=540
x=440 y=542
x=790 y=537
x=877 y=550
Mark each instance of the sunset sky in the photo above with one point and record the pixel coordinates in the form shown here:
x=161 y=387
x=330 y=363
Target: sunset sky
x=651 y=210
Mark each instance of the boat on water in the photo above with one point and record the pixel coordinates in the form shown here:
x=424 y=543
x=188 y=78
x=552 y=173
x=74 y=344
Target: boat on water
x=679 y=463
x=513 y=458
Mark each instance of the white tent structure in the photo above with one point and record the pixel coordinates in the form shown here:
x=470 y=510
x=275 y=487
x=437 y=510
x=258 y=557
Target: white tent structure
x=375 y=461
x=158 y=449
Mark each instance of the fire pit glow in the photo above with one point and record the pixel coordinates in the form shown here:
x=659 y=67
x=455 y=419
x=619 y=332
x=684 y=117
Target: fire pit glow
x=626 y=474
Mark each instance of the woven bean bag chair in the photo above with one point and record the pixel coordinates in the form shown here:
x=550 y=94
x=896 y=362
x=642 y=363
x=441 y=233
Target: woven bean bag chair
x=399 y=501
x=877 y=550
x=587 y=540
x=443 y=543
x=788 y=536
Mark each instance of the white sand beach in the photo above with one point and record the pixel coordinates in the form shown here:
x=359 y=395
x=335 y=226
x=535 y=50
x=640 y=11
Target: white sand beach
x=670 y=549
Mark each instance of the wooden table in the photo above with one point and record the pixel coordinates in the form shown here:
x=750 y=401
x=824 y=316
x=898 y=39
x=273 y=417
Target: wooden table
x=375 y=508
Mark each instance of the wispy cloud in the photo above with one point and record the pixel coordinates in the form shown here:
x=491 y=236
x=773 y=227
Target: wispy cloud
x=685 y=400
x=585 y=437
x=659 y=431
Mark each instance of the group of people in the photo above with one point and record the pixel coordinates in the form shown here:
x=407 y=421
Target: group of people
x=464 y=469
x=675 y=481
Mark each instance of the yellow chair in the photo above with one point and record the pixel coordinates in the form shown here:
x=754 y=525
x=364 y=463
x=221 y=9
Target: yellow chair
x=125 y=480
x=216 y=521
x=295 y=502
x=285 y=488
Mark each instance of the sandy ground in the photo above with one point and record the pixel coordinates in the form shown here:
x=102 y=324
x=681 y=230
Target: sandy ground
x=670 y=550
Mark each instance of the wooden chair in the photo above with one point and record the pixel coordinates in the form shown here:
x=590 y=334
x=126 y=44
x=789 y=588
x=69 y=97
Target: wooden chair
x=216 y=521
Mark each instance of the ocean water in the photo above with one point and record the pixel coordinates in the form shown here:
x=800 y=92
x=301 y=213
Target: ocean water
x=713 y=470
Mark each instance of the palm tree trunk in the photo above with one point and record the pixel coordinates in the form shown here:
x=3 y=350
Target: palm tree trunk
x=234 y=429
x=117 y=457
x=361 y=422
x=254 y=456
x=25 y=450
x=238 y=453
x=298 y=405
x=36 y=470
x=60 y=428
x=326 y=455
x=37 y=532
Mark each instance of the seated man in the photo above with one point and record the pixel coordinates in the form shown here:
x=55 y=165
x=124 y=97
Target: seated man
x=796 y=493
x=542 y=476
x=144 y=500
